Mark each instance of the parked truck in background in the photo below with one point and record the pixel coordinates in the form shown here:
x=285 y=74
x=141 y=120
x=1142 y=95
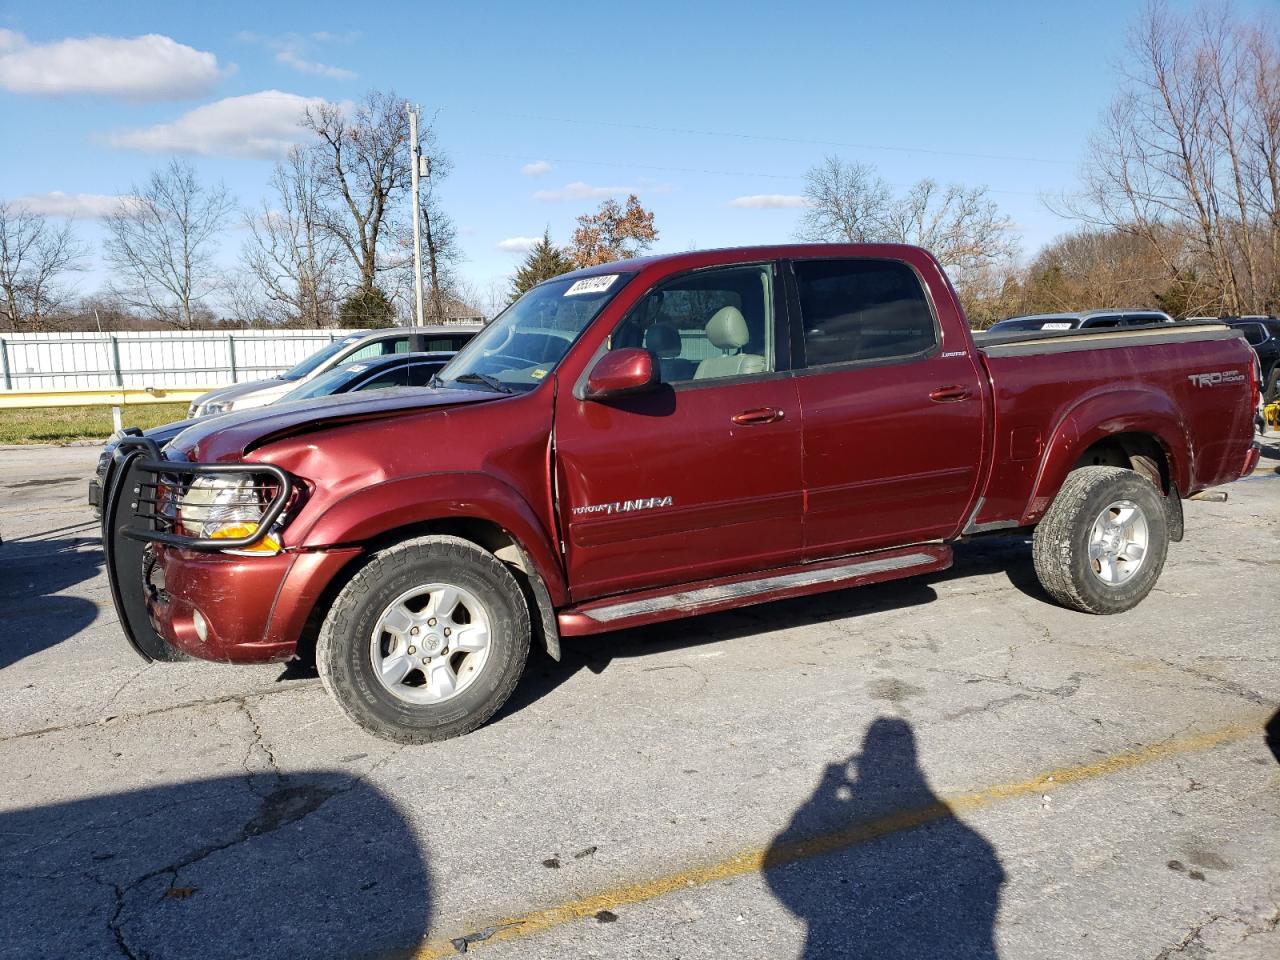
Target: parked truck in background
x=660 y=438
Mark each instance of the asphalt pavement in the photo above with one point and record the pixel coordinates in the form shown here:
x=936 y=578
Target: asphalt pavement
x=949 y=766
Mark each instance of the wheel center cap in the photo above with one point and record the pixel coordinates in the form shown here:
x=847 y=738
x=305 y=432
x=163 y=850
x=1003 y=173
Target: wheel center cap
x=432 y=644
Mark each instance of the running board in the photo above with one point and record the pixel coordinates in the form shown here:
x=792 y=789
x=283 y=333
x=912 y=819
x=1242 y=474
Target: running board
x=708 y=596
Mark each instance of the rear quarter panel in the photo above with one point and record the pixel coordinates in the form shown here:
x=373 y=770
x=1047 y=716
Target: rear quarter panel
x=1050 y=408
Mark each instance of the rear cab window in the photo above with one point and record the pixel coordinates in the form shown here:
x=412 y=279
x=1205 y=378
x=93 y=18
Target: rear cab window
x=862 y=311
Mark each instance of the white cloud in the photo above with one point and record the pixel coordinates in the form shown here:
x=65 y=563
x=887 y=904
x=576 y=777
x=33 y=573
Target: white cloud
x=151 y=67
x=769 y=201
x=536 y=169
x=583 y=191
x=302 y=65
x=264 y=124
x=291 y=50
x=81 y=206
x=519 y=244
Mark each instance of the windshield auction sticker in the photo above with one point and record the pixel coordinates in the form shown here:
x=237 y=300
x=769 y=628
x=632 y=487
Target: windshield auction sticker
x=591 y=285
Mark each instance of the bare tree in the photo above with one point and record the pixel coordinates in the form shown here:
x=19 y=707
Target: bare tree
x=34 y=255
x=364 y=174
x=961 y=226
x=161 y=242
x=443 y=253
x=846 y=202
x=294 y=259
x=1188 y=156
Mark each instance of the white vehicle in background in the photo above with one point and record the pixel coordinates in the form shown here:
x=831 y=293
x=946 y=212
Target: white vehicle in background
x=366 y=345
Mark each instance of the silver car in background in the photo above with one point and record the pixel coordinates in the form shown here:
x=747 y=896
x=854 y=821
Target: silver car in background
x=366 y=345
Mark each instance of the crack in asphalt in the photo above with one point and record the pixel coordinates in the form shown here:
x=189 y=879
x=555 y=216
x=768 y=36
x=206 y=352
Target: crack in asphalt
x=170 y=708
x=282 y=807
x=257 y=745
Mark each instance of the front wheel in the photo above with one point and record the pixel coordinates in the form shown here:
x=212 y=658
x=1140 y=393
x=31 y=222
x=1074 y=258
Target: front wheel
x=1102 y=543
x=426 y=641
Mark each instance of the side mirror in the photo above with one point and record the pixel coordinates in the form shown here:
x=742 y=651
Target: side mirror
x=620 y=372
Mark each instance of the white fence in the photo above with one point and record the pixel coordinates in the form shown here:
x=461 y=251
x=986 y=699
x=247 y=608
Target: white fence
x=63 y=361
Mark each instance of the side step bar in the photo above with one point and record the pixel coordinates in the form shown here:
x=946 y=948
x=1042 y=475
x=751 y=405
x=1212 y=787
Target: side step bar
x=708 y=596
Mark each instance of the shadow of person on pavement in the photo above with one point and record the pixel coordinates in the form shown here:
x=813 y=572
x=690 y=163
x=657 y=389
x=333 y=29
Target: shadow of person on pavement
x=320 y=864
x=1273 y=735
x=878 y=867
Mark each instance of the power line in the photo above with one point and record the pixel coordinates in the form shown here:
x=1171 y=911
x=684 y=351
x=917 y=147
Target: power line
x=628 y=165
x=651 y=128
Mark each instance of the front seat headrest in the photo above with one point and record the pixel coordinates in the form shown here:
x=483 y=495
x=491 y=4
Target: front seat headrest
x=663 y=340
x=727 y=329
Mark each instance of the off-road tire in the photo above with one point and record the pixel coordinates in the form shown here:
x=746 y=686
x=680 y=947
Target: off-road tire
x=1060 y=546
x=342 y=648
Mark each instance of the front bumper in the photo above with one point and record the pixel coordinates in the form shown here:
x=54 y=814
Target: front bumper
x=179 y=596
x=235 y=609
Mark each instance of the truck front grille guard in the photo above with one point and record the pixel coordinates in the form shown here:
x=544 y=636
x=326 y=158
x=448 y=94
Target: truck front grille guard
x=158 y=473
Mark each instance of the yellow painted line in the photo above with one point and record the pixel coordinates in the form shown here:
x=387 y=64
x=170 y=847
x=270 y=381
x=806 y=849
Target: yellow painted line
x=759 y=859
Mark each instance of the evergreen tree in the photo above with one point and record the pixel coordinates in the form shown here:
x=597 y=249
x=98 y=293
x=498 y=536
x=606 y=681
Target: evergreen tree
x=367 y=308
x=544 y=261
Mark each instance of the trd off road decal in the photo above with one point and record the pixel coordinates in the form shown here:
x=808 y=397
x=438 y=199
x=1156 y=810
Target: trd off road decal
x=623 y=506
x=1215 y=378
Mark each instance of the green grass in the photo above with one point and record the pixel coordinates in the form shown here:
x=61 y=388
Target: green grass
x=64 y=424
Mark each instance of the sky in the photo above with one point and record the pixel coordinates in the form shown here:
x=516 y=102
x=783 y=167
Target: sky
x=711 y=112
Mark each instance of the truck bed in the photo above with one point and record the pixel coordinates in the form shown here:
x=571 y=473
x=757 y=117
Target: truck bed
x=1186 y=383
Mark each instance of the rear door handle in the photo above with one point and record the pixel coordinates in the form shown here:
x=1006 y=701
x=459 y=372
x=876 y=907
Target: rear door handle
x=757 y=415
x=949 y=394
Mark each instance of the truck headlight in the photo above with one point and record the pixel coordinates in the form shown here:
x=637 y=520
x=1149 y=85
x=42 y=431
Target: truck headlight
x=227 y=508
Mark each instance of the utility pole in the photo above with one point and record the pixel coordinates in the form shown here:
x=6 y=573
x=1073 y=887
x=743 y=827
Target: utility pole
x=415 y=156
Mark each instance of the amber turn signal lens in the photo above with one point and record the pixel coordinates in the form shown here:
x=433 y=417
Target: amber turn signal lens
x=247 y=528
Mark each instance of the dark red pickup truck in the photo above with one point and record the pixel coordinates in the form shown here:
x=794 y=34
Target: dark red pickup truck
x=659 y=438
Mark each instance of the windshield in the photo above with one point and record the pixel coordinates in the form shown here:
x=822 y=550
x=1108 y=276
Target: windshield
x=318 y=358
x=527 y=340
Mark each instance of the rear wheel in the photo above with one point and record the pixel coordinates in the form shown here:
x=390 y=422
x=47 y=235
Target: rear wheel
x=426 y=641
x=1103 y=541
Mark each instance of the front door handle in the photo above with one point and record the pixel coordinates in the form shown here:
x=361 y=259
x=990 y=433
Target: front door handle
x=757 y=415
x=949 y=394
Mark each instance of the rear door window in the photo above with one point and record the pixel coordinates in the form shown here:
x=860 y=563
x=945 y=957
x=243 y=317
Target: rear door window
x=397 y=376
x=862 y=311
x=380 y=348
x=1254 y=333
x=1094 y=322
x=445 y=343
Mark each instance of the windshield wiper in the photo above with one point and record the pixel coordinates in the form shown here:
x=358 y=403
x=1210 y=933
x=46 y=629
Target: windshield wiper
x=493 y=383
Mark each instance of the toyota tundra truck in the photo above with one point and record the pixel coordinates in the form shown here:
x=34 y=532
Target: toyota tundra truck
x=660 y=438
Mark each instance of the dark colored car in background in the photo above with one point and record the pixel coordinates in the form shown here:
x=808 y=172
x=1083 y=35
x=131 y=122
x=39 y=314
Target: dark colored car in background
x=1263 y=334
x=381 y=373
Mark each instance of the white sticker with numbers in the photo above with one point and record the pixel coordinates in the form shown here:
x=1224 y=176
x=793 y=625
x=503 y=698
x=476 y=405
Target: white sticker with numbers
x=591 y=285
